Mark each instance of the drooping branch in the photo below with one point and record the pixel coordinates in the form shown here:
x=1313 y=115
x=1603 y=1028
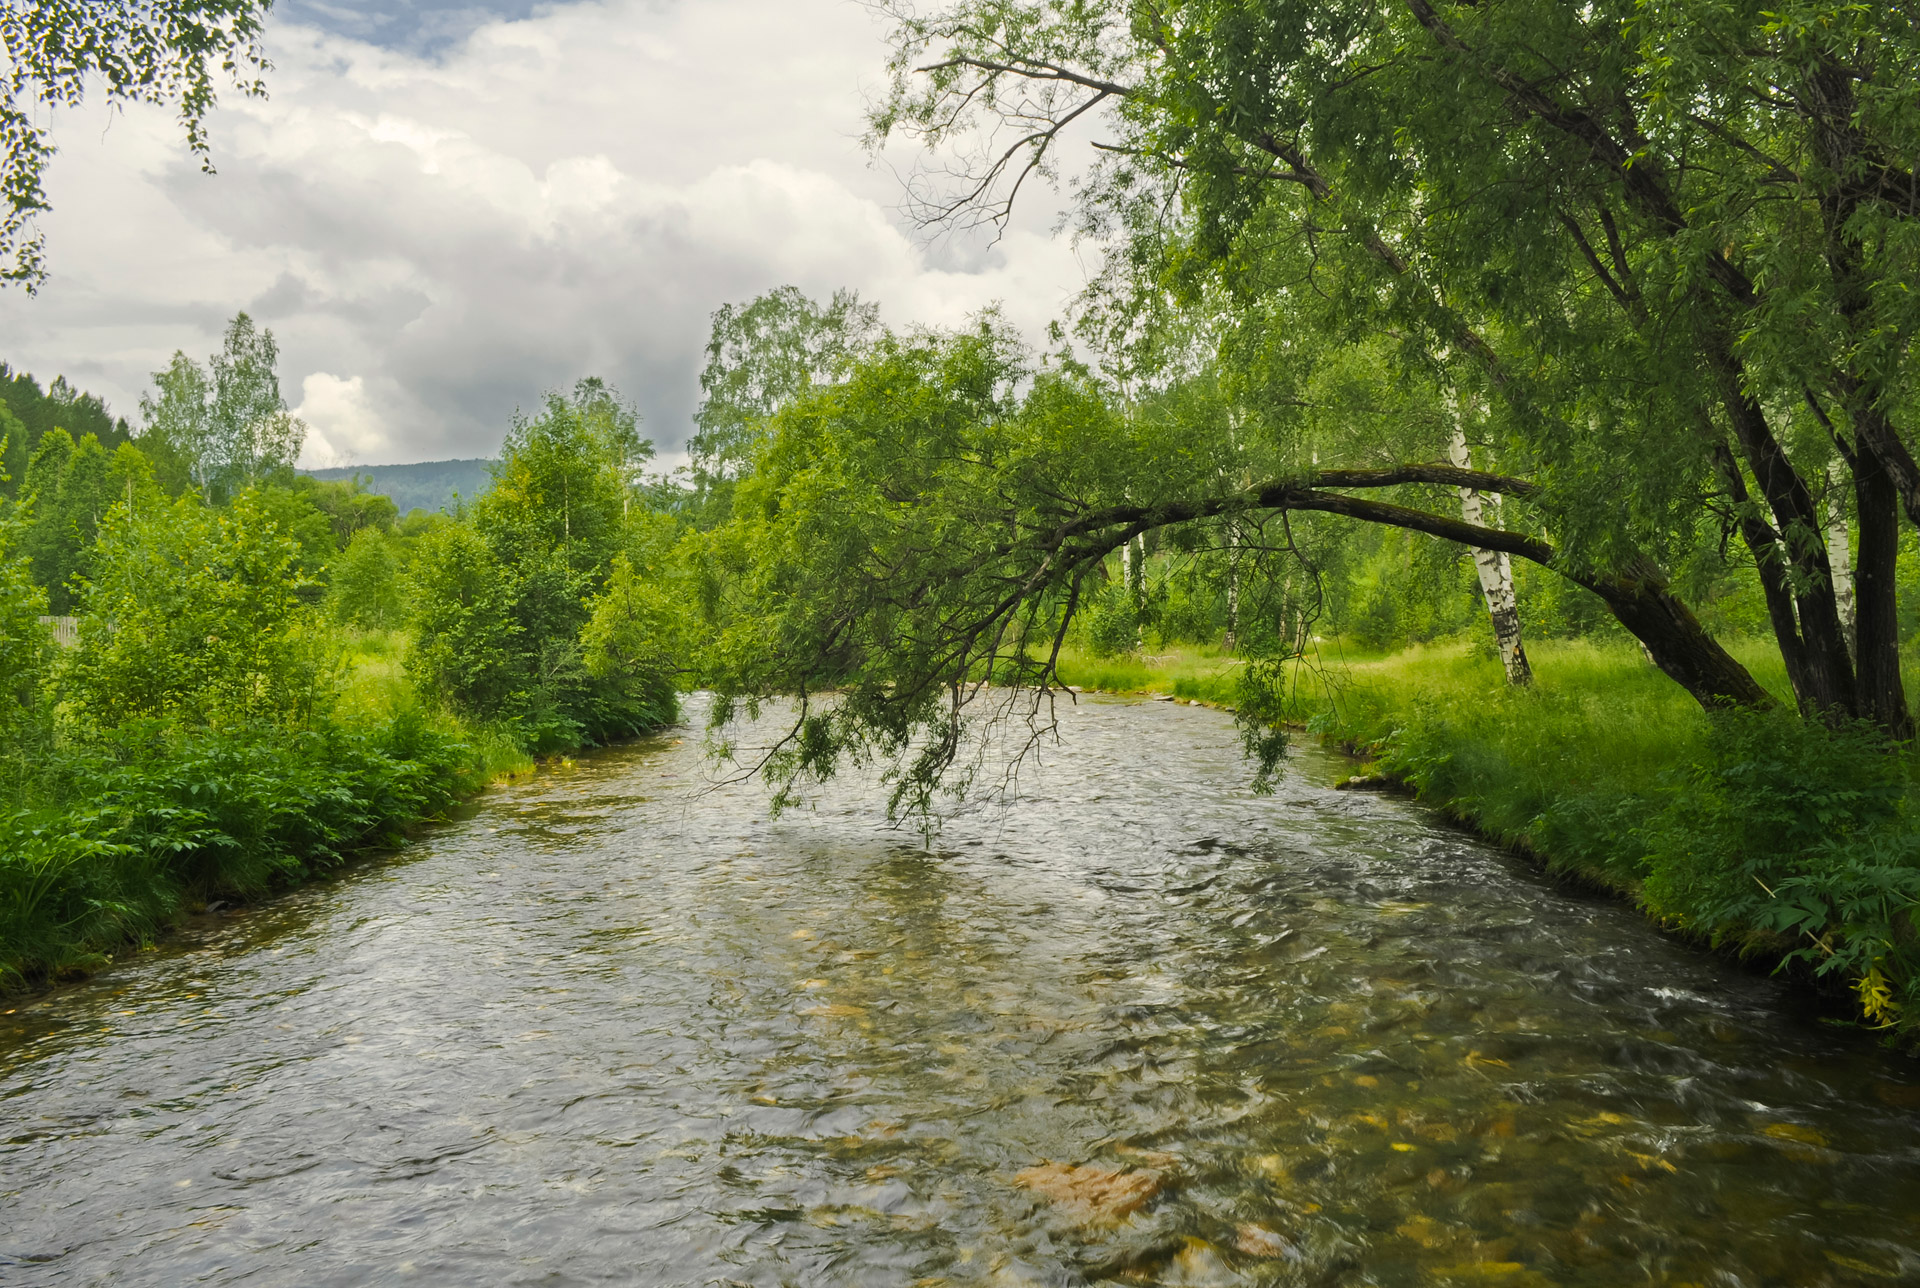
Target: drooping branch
x=1635 y=591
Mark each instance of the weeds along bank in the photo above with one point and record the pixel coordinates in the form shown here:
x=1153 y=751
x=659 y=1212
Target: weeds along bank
x=1758 y=831
x=240 y=713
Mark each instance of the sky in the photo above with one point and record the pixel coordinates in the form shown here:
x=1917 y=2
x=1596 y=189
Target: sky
x=444 y=210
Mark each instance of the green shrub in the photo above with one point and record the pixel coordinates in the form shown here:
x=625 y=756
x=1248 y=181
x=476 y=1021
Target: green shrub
x=1793 y=827
x=151 y=817
x=192 y=615
x=365 y=589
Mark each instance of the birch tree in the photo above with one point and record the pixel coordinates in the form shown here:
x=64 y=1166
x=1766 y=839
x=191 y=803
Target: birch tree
x=1496 y=575
x=168 y=52
x=227 y=422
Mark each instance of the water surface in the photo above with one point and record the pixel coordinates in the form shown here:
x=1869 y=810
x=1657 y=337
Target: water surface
x=610 y=1030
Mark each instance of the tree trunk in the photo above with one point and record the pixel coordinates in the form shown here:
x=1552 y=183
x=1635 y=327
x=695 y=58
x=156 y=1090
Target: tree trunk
x=1496 y=576
x=1827 y=668
x=1233 y=585
x=1770 y=564
x=1839 y=557
x=1133 y=575
x=1883 y=698
x=1675 y=639
x=1636 y=592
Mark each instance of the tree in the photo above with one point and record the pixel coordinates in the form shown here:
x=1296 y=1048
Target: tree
x=1670 y=244
x=938 y=519
x=365 y=589
x=192 y=616
x=761 y=356
x=224 y=426
x=501 y=601
x=26 y=648
x=28 y=412
x=69 y=489
x=132 y=51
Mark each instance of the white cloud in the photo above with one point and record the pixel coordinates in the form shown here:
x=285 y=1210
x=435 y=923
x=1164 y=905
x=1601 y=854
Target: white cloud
x=342 y=424
x=437 y=240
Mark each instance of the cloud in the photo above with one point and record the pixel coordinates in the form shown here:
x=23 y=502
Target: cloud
x=343 y=426
x=438 y=237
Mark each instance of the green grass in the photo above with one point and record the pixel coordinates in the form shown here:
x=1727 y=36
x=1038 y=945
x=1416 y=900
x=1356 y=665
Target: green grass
x=375 y=687
x=1203 y=673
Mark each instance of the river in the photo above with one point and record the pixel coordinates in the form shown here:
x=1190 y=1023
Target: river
x=1139 y=1026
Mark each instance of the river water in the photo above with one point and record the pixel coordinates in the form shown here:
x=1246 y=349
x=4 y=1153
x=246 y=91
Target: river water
x=1140 y=1026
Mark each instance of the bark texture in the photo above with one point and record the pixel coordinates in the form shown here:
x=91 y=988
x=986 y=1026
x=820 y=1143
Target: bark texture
x=1496 y=576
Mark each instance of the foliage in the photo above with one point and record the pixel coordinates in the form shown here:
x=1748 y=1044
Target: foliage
x=224 y=426
x=502 y=601
x=763 y=355
x=1753 y=829
x=26 y=651
x=1657 y=258
x=348 y=504
x=28 y=413
x=193 y=616
x=1803 y=830
x=365 y=589
x=151 y=818
x=70 y=487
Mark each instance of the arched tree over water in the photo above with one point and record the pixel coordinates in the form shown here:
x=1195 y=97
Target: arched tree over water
x=1673 y=245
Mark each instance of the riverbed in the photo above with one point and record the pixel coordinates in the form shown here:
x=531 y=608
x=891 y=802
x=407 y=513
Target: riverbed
x=1138 y=1025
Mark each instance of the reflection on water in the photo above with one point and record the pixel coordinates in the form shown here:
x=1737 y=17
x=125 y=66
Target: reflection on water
x=1142 y=1027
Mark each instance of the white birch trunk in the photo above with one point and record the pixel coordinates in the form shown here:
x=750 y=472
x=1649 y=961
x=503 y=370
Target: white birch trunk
x=1132 y=575
x=1839 y=554
x=1496 y=576
x=1233 y=585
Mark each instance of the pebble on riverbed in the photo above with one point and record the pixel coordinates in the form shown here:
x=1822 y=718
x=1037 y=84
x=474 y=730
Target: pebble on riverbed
x=1091 y=1195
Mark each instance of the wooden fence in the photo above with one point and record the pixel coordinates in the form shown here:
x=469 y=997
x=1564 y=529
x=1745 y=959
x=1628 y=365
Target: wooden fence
x=66 y=630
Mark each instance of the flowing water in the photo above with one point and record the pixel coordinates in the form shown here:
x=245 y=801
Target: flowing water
x=1139 y=1027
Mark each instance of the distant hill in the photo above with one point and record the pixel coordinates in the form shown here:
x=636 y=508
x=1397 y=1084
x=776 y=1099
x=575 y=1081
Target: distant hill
x=426 y=485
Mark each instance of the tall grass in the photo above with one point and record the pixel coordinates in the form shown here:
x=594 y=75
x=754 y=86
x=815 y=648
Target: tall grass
x=1200 y=672
x=374 y=686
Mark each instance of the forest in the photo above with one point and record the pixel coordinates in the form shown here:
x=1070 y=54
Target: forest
x=1521 y=396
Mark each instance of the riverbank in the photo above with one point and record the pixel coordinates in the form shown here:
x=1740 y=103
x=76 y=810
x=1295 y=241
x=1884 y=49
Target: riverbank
x=1134 y=1023
x=121 y=838
x=1756 y=834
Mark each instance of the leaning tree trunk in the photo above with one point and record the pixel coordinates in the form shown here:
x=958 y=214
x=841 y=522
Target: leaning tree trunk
x=1496 y=576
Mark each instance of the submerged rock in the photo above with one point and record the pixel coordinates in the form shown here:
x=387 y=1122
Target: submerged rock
x=1091 y=1195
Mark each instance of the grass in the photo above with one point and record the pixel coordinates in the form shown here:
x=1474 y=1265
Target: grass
x=1203 y=673
x=1559 y=769
x=374 y=686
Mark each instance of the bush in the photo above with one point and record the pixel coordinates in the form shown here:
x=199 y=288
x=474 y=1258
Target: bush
x=1792 y=827
x=366 y=589
x=1110 y=623
x=195 y=616
x=154 y=817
